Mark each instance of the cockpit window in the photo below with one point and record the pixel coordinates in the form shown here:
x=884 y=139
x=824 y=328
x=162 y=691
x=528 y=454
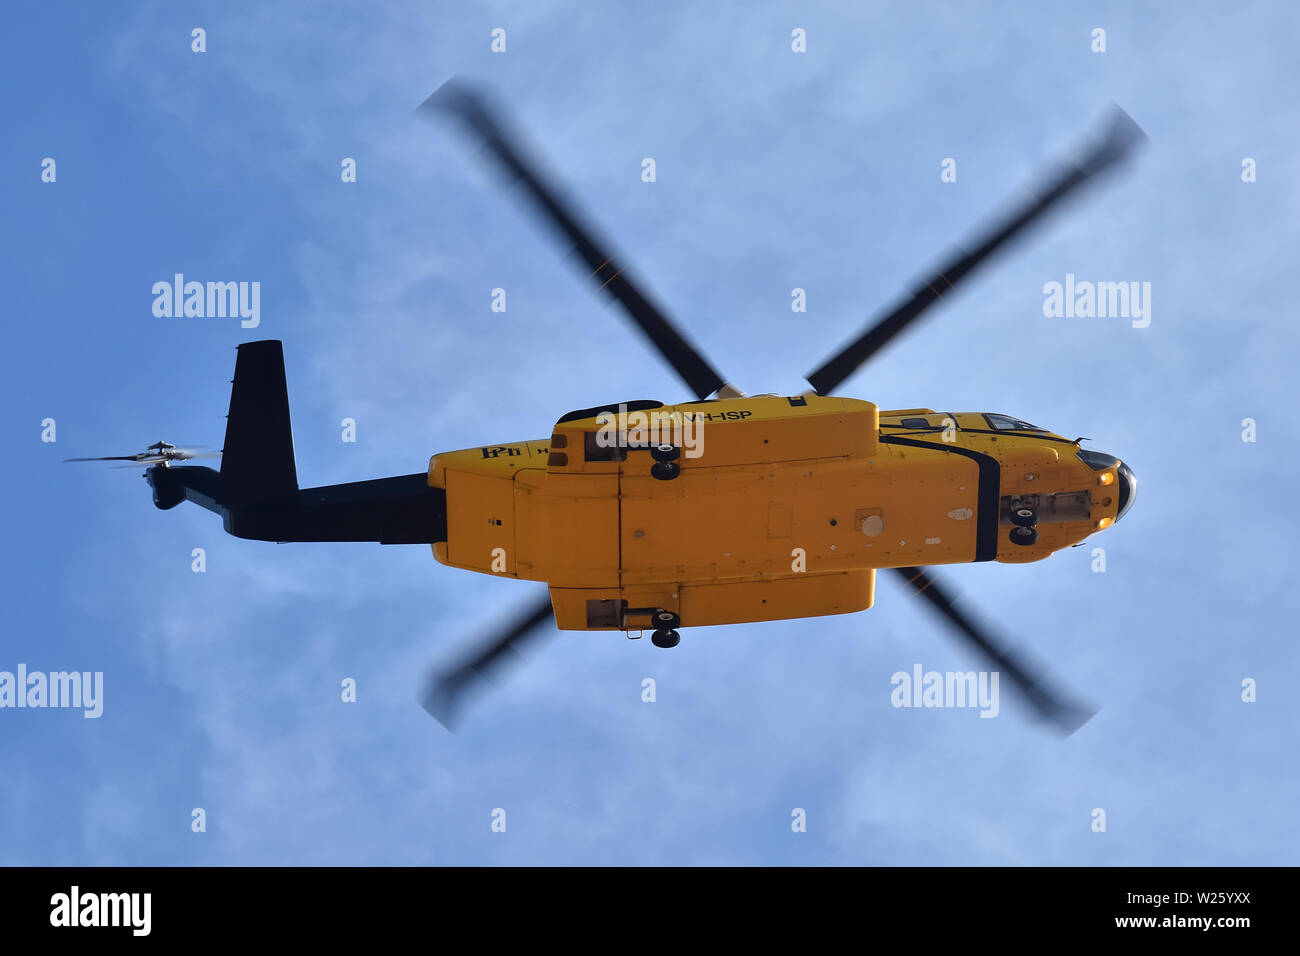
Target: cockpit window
x=1097 y=460
x=1007 y=423
x=915 y=423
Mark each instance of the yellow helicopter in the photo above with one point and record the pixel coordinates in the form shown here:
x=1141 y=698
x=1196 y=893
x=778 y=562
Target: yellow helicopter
x=722 y=510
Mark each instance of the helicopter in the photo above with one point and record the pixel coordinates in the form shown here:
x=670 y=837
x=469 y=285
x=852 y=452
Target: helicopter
x=723 y=509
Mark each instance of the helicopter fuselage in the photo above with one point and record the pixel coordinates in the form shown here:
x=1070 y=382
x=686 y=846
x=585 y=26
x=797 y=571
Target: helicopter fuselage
x=770 y=508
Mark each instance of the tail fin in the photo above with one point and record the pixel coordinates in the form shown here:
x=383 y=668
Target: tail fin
x=257 y=463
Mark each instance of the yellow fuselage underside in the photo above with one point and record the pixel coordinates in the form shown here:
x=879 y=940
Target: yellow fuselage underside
x=783 y=508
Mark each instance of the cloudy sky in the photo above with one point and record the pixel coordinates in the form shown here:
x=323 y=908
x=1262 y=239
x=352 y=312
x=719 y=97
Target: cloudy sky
x=775 y=170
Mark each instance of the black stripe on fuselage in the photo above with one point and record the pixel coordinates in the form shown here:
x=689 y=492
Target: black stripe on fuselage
x=1008 y=432
x=989 y=499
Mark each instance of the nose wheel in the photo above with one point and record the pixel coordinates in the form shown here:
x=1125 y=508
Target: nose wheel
x=1024 y=533
x=1024 y=536
x=1024 y=517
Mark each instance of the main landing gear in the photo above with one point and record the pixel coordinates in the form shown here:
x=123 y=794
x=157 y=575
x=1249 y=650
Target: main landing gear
x=665 y=467
x=665 y=625
x=665 y=638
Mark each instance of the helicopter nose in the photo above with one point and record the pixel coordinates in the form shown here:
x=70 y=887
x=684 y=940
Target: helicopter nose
x=1128 y=486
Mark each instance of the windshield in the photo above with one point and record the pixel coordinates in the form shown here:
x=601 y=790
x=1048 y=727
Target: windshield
x=1005 y=423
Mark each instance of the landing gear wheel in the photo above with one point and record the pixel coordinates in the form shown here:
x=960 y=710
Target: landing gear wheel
x=664 y=452
x=665 y=470
x=665 y=638
x=666 y=620
x=1024 y=517
x=1024 y=536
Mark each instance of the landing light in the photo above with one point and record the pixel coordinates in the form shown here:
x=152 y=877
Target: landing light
x=1105 y=523
x=1106 y=478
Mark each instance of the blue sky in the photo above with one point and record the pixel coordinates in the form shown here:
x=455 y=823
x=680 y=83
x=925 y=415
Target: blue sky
x=774 y=170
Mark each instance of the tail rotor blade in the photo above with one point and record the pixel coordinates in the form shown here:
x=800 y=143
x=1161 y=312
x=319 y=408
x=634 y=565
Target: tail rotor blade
x=153 y=456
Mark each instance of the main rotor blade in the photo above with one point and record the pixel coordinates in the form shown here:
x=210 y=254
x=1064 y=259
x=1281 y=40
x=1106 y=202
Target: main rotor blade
x=1066 y=715
x=477 y=113
x=443 y=691
x=107 y=458
x=1121 y=138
